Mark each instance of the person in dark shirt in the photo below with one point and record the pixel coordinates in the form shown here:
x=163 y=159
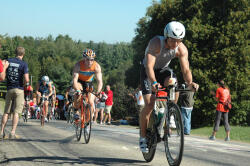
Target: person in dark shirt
x=186 y=102
x=16 y=72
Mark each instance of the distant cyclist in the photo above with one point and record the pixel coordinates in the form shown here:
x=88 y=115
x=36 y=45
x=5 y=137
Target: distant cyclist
x=44 y=87
x=158 y=55
x=84 y=72
x=69 y=95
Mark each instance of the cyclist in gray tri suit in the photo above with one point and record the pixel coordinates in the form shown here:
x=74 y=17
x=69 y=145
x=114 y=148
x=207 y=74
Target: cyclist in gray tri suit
x=158 y=55
x=44 y=87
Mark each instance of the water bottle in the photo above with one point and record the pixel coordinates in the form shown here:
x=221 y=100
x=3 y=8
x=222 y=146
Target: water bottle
x=172 y=94
x=172 y=82
x=160 y=114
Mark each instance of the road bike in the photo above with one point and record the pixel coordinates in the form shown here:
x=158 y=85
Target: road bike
x=50 y=115
x=26 y=110
x=84 y=122
x=42 y=109
x=166 y=125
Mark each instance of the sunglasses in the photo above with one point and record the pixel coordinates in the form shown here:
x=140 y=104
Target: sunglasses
x=90 y=59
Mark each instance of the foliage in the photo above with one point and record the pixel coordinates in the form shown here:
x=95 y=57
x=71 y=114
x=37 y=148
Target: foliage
x=217 y=37
x=56 y=58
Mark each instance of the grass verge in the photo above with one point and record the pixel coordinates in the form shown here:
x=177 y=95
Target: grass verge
x=237 y=133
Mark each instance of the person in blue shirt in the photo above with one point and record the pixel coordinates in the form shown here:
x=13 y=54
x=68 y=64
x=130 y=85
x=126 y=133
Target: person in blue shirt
x=17 y=75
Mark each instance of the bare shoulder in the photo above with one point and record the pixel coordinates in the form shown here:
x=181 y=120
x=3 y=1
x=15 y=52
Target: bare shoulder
x=182 y=50
x=98 y=67
x=76 y=67
x=77 y=63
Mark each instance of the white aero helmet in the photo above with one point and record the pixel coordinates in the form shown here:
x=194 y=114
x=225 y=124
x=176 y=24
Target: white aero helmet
x=45 y=78
x=174 y=30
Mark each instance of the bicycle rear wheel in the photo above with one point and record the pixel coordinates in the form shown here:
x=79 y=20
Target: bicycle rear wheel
x=174 y=135
x=151 y=136
x=88 y=124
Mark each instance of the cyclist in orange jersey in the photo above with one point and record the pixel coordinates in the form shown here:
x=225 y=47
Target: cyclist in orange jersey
x=84 y=72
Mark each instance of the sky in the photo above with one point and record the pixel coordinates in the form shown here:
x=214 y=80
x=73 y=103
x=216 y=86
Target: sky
x=107 y=21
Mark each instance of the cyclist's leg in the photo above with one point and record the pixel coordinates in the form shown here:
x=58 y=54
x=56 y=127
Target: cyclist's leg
x=149 y=100
x=91 y=99
x=46 y=108
x=77 y=97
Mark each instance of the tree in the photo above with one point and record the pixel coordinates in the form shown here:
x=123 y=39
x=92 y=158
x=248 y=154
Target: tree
x=217 y=33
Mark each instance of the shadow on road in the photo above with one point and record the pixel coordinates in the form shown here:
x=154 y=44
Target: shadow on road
x=82 y=160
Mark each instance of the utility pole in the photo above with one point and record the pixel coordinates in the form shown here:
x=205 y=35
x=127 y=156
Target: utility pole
x=31 y=80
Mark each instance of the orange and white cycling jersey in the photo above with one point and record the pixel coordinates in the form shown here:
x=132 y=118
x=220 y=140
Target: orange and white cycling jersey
x=87 y=74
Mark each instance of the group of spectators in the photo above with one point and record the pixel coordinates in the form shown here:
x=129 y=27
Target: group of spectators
x=104 y=105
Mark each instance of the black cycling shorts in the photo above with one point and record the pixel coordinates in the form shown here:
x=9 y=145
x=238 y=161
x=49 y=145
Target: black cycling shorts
x=146 y=83
x=86 y=85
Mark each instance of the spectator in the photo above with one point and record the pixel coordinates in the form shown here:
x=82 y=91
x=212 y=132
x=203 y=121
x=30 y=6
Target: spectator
x=186 y=102
x=33 y=107
x=17 y=70
x=100 y=106
x=108 y=105
x=222 y=95
x=139 y=100
x=3 y=66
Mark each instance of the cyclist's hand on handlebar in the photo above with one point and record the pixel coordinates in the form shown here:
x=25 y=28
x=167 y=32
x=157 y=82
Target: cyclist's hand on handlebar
x=156 y=86
x=78 y=92
x=193 y=86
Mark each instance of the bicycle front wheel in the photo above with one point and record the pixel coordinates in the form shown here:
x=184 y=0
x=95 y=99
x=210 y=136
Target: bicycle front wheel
x=151 y=135
x=71 y=114
x=174 y=135
x=25 y=115
x=88 y=123
x=42 y=115
x=78 y=127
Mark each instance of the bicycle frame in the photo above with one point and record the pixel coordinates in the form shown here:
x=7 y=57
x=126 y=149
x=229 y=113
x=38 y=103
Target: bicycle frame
x=173 y=130
x=42 y=111
x=84 y=101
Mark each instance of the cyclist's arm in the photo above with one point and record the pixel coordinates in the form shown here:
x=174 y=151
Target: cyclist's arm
x=67 y=93
x=153 y=48
x=98 y=73
x=50 y=90
x=76 y=76
x=26 y=78
x=184 y=63
x=55 y=90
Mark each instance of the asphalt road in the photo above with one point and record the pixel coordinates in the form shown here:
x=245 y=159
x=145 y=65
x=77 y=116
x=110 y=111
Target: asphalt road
x=55 y=144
